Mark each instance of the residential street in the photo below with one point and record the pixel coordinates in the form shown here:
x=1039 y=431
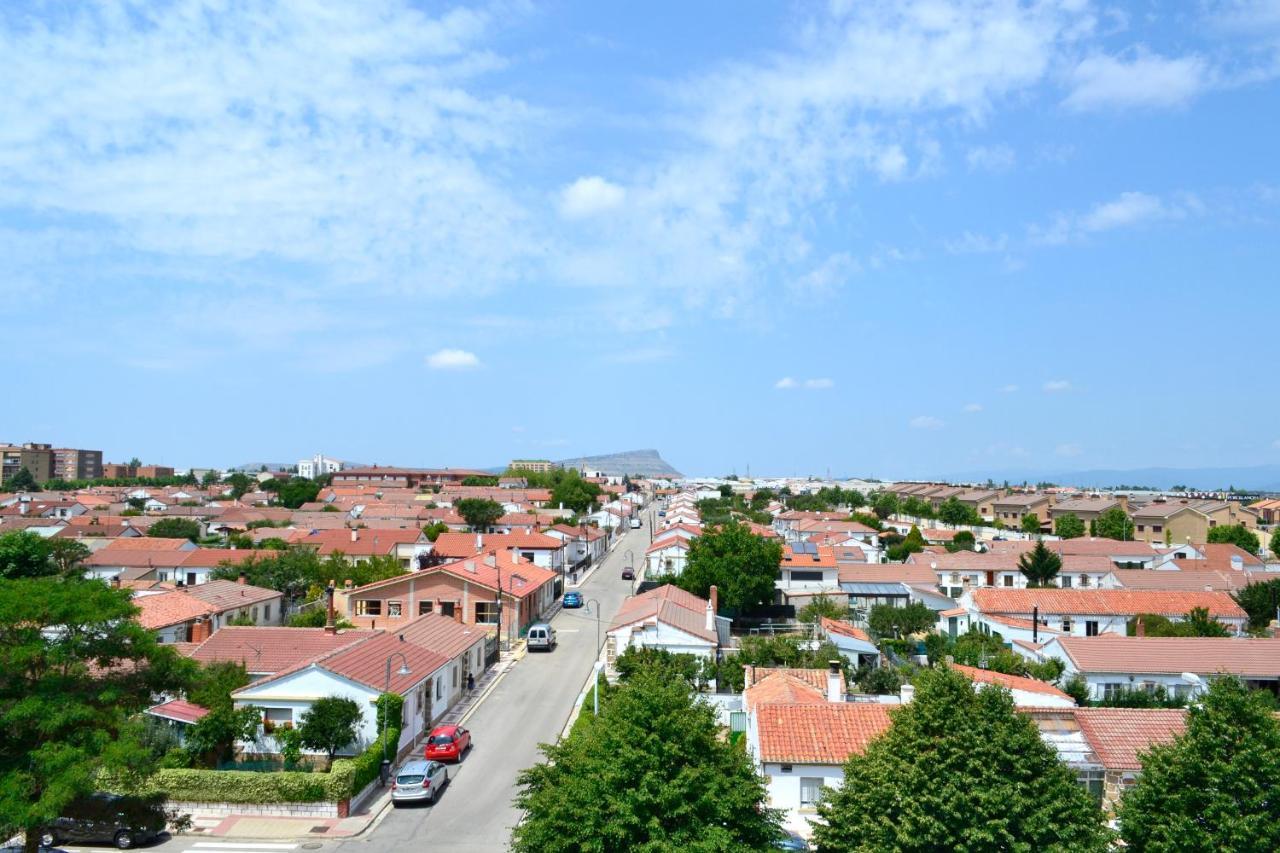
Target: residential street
x=529 y=706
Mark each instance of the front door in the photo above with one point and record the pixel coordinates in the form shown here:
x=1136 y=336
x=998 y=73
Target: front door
x=446 y=609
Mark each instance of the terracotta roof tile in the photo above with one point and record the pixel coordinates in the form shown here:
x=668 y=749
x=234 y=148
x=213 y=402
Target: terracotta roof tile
x=1243 y=656
x=825 y=733
x=1011 y=682
x=178 y=709
x=170 y=608
x=1120 y=735
x=836 y=626
x=271 y=650
x=1103 y=602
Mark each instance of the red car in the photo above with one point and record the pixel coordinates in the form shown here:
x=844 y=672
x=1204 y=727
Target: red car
x=447 y=743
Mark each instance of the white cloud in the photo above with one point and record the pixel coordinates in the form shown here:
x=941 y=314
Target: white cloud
x=1127 y=210
x=818 y=384
x=1055 y=386
x=991 y=158
x=926 y=422
x=452 y=359
x=1145 y=80
x=590 y=196
x=970 y=243
x=1009 y=389
x=827 y=278
x=973 y=407
x=785 y=383
x=1068 y=450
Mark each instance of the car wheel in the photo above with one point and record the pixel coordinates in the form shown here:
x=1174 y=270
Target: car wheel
x=49 y=840
x=124 y=839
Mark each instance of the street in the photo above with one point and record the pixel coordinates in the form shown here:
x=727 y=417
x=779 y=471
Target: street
x=529 y=706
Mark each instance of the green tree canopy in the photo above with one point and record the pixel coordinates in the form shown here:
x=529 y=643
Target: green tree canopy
x=176 y=528
x=68 y=555
x=21 y=482
x=211 y=478
x=651 y=773
x=1275 y=544
x=820 y=606
x=887 y=620
x=1040 y=566
x=963 y=541
x=1214 y=787
x=959 y=769
x=1114 y=524
x=297 y=491
x=74 y=667
x=240 y=483
x=479 y=513
x=330 y=724
x=1069 y=526
x=742 y=566
x=953 y=512
x=1260 y=600
x=885 y=504
x=24 y=554
x=433 y=530
x=1030 y=523
x=1236 y=534
x=575 y=493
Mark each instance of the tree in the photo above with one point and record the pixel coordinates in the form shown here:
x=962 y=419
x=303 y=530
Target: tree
x=213 y=738
x=635 y=660
x=913 y=543
x=652 y=772
x=1040 y=566
x=1236 y=534
x=476 y=480
x=887 y=620
x=1069 y=526
x=1031 y=523
x=290 y=572
x=742 y=566
x=135 y=462
x=963 y=541
x=75 y=666
x=953 y=512
x=240 y=483
x=1214 y=787
x=67 y=555
x=885 y=505
x=176 y=528
x=297 y=491
x=822 y=606
x=433 y=530
x=1259 y=599
x=316 y=617
x=24 y=554
x=21 y=482
x=1275 y=544
x=959 y=769
x=1114 y=523
x=574 y=493
x=211 y=478
x=330 y=724
x=1198 y=623
x=479 y=513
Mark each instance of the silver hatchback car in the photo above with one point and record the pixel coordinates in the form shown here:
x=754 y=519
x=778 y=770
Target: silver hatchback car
x=418 y=781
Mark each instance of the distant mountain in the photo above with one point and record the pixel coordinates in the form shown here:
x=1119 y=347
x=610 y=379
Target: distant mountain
x=1265 y=478
x=648 y=463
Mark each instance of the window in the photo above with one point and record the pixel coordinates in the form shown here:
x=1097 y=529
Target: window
x=1084 y=580
x=806 y=576
x=1112 y=689
x=446 y=608
x=1141 y=528
x=1066 y=581
x=1092 y=780
x=439 y=689
x=368 y=607
x=810 y=790
x=486 y=613
x=1066 y=625
x=255 y=614
x=1091 y=629
x=424 y=607
x=266 y=613
x=393 y=609
x=1008 y=580
x=1157 y=528
x=454 y=670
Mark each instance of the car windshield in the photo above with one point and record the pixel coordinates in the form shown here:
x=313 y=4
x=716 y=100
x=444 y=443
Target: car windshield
x=441 y=740
x=409 y=779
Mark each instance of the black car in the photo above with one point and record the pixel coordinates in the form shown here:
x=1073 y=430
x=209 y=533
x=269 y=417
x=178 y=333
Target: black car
x=109 y=818
x=628 y=575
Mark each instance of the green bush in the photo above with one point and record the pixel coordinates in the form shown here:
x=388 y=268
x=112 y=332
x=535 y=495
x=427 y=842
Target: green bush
x=243 y=786
x=368 y=763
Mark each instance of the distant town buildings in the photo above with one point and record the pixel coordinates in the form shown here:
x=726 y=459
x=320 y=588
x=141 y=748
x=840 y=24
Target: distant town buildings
x=46 y=462
x=318 y=466
x=538 y=466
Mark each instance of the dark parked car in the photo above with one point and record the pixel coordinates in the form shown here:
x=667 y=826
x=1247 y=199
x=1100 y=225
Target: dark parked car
x=791 y=841
x=110 y=818
x=573 y=599
x=628 y=574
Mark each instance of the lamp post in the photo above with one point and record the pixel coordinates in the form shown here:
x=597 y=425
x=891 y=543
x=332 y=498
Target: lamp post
x=591 y=601
x=595 y=694
x=386 y=688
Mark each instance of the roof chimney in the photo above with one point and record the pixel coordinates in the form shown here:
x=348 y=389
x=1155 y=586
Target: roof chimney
x=835 y=688
x=479 y=541
x=907 y=693
x=470 y=566
x=331 y=621
x=1237 y=562
x=242 y=578
x=711 y=616
x=200 y=630
x=355 y=534
x=1140 y=629
x=715 y=599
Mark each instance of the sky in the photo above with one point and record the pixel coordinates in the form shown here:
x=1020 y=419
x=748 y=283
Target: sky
x=875 y=238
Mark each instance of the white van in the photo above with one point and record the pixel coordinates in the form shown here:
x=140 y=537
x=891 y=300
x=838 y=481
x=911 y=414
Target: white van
x=541 y=636
x=635 y=523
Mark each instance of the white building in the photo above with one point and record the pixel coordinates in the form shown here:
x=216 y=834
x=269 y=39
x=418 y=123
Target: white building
x=669 y=618
x=318 y=466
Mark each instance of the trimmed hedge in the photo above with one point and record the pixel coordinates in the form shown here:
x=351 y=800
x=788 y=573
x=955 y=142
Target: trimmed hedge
x=369 y=763
x=244 y=786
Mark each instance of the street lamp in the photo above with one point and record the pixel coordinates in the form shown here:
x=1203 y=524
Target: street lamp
x=591 y=601
x=595 y=694
x=386 y=688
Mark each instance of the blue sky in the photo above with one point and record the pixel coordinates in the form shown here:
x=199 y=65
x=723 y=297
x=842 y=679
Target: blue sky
x=901 y=239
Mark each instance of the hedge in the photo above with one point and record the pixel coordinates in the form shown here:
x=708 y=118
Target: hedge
x=245 y=786
x=368 y=764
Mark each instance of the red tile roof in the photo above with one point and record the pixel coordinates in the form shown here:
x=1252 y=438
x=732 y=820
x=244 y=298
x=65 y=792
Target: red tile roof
x=1188 y=577
x=672 y=542
x=886 y=573
x=773 y=686
x=465 y=544
x=149 y=543
x=178 y=709
x=824 y=559
x=1119 y=735
x=1243 y=656
x=272 y=650
x=835 y=626
x=1122 y=602
x=819 y=733
x=668 y=604
x=367 y=543
x=170 y=608
x=1010 y=682
x=229 y=595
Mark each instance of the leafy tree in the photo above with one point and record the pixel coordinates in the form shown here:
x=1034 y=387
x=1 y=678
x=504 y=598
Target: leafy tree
x=330 y=724
x=433 y=530
x=297 y=491
x=1196 y=623
x=1214 y=787
x=887 y=620
x=21 y=482
x=634 y=661
x=869 y=519
x=1031 y=523
x=959 y=769
x=913 y=543
x=479 y=481
x=963 y=541
x=212 y=686
x=1275 y=544
x=24 y=554
x=68 y=555
x=878 y=680
x=652 y=772
x=135 y=462
x=885 y=505
x=1069 y=526
x=212 y=739
x=479 y=513
x=575 y=493
x=1114 y=524
x=1078 y=689
x=953 y=511
x=1040 y=566
x=1236 y=534
x=1259 y=599
x=75 y=666
x=211 y=478
x=290 y=572
x=821 y=606
x=789 y=650
x=742 y=566
x=176 y=528
x=316 y=617
x=917 y=507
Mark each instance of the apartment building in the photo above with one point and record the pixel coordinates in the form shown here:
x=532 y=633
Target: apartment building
x=1011 y=509
x=1187 y=520
x=71 y=464
x=36 y=458
x=538 y=466
x=981 y=501
x=1087 y=509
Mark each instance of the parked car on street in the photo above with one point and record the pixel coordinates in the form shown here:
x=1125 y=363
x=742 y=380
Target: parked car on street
x=540 y=636
x=419 y=781
x=447 y=743
x=635 y=524
x=109 y=818
x=791 y=841
x=628 y=574
x=572 y=599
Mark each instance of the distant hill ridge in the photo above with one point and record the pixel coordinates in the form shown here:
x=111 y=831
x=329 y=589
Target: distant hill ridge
x=648 y=463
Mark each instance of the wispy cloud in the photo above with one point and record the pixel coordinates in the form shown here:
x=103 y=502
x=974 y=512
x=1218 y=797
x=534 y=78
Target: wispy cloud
x=972 y=407
x=1009 y=389
x=1057 y=386
x=1144 y=79
x=786 y=383
x=590 y=196
x=1127 y=210
x=452 y=359
x=926 y=422
x=819 y=384
x=991 y=158
x=970 y=243
x=1068 y=450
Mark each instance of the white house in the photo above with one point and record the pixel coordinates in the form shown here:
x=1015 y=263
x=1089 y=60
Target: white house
x=806 y=572
x=1026 y=692
x=666 y=557
x=1090 y=612
x=318 y=466
x=669 y=618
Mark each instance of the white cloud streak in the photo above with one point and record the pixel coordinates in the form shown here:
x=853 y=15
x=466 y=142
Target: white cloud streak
x=1057 y=386
x=1144 y=80
x=926 y=422
x=452 y=359
x=590 y=196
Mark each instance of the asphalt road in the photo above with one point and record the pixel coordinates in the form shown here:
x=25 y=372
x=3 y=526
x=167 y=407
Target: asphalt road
x=530 y=705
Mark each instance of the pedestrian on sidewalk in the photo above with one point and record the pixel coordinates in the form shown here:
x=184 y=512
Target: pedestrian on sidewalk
x=471 y=682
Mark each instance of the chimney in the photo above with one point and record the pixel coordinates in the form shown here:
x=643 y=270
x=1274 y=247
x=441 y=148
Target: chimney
x=1274 y=629
x=711 y=616
x=242 y=579
x=907 y=693
x=479 y=541
x=835 y=679
x=457 y=614
x=1035 y=624
x=470 y=566
x=115 y=581
x=348 y=584
x=1237 y=562
x=200 y=630
x=355 y=535
x=1140 y=629
x=715 y=599
x=331 y=621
